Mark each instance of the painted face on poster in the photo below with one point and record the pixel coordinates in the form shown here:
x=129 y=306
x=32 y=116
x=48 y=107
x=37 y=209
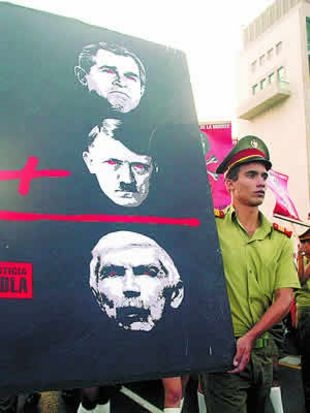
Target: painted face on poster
x=134 y=280
x=122 y=174
x=113 y=73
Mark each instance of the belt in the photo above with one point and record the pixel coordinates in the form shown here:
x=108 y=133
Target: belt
x=261 y=342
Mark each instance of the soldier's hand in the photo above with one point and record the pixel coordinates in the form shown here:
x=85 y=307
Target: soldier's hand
x=243 y=354
x=302 y=251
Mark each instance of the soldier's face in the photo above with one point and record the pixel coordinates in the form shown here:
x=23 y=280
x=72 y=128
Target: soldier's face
x=132 y=286
x=117 y=79
x=123 y=175
x=250 y=186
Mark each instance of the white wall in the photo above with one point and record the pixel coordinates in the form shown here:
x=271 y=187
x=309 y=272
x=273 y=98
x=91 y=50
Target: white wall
x=284 y=127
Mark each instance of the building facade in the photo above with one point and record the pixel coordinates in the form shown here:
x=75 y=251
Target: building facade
x=273 y=93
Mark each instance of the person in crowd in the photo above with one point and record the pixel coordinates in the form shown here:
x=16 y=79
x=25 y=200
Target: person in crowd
x=174 y=389
x=123 y=174
x=17 y=403
x=8 y=404
x=97 y=399
x=134 y=280
x=277 y=333
x=113 y=73
x=260 y=277
x=303 y=312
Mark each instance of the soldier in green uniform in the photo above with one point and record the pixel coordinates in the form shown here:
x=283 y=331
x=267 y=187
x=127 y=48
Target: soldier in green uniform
x=303 y=312
x=260 y=278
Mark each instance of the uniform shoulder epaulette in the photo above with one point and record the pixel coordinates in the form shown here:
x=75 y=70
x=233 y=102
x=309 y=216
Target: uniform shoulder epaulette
x=283 y=230
x=219 y=213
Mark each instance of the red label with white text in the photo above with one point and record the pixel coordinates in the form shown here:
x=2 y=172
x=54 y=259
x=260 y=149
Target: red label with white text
x=15 y=280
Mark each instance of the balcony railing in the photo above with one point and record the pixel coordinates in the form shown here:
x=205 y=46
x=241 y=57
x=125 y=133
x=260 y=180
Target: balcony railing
x=263 y=100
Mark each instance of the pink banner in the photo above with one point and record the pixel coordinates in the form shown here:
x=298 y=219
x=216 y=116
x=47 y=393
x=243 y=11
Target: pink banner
x=277 y=182
x=218 y=142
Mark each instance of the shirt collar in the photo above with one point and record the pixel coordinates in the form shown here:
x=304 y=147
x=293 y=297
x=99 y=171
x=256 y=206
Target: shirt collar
x=262 y=231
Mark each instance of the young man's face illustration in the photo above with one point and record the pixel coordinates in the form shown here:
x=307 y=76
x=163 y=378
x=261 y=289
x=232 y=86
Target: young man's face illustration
x=117 y=79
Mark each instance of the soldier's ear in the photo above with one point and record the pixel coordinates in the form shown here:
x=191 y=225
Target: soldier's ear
x=177 y=295
x=81 y=74
x=229 y=183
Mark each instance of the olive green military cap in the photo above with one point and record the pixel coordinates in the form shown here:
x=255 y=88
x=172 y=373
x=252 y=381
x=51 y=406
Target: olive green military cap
x=248 y=149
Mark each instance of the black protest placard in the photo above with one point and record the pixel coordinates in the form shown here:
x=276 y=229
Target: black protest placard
x=110 y=269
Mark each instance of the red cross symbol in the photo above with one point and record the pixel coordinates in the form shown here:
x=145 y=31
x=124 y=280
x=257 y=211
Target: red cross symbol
x=29 y=172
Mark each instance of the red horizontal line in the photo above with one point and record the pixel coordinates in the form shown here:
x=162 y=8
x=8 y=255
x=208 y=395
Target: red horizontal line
x=126 y=219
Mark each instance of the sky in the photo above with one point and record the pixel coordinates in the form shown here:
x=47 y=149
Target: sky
x=209 y=32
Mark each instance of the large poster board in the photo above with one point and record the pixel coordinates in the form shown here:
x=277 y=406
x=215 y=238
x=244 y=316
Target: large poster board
x=110 y=269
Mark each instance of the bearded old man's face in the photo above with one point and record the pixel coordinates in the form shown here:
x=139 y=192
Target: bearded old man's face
x=132 y=284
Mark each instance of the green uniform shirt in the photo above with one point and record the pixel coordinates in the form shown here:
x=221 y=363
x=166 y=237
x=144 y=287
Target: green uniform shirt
x=254 y=268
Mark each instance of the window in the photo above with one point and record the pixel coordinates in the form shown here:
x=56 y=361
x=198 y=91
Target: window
x=262 y=59
x=308 y=33
x=281 y=73
x=278 y=47
x=308 y=40
x=271 y=78
x=253 y=65
x=263 y=83
x=270 y=54
x=254 y=89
